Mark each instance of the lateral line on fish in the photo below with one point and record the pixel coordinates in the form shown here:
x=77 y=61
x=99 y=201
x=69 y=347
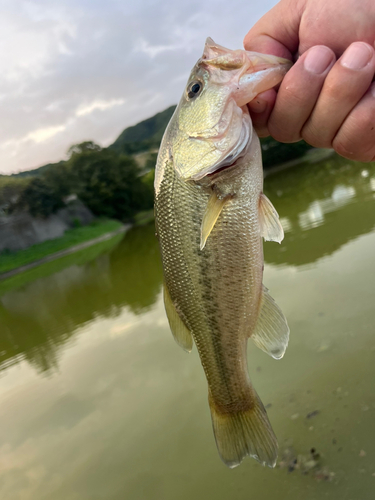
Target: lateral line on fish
x=214 y=207
x=217 y=292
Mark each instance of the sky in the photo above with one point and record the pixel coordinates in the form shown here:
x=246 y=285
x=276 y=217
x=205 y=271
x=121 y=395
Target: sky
x=76 y=70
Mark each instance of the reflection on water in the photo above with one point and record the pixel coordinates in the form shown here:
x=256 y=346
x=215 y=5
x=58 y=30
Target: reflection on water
x=321 y=208
x=39 y=318
x=314 y=215
x=98 y=402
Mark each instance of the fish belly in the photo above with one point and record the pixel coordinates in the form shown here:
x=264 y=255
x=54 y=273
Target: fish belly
x=216 y=290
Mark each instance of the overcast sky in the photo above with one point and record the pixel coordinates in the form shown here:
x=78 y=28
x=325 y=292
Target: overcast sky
x=75 y=70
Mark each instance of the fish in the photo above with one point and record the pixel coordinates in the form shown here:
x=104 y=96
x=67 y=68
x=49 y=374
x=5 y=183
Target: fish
x=211 y=215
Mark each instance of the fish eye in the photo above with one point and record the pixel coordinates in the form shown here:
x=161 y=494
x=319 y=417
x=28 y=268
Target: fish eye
x=194 y=89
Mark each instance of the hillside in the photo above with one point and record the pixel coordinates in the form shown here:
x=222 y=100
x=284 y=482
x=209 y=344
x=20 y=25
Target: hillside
x=38 y=171
x=144 y=136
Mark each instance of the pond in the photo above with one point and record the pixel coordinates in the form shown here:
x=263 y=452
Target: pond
x=98 y=401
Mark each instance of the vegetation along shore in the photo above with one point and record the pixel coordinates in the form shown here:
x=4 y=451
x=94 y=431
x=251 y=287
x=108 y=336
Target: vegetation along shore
x=114 y=183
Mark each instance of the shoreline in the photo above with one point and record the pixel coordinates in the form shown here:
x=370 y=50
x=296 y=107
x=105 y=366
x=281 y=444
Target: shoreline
x=312 y=156
x=63 y=253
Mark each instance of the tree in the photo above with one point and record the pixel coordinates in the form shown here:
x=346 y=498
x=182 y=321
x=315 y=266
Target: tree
x=60 y=180
x=39 y=198
x=274 y=152
x=86 y=146
x=108 y=183
x=10 y=189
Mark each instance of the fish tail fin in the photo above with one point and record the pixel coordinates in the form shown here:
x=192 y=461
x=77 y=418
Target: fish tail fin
x=244 y=433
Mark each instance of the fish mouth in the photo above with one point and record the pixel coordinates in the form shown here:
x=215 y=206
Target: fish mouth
x=238 y=151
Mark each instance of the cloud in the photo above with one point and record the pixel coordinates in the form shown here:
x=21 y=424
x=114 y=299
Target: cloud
x=154 y=50
x=75 y=70
x=43 y=134
x=102 y=105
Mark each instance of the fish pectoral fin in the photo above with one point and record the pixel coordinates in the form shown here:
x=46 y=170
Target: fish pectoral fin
x=214 y=207
x=270 y=226
x=271 y=332
x=180 y=332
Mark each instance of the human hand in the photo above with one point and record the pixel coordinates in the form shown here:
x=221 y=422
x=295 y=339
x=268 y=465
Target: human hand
x=326 y=102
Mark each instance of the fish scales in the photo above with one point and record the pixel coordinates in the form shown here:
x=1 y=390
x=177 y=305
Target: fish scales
x=213 y=277
x=218 y=294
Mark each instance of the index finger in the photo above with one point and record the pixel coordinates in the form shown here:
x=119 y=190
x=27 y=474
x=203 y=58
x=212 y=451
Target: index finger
x=277 y=31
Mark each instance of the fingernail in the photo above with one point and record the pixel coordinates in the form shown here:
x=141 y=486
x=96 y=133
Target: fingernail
x=357 y=56
x=318 y=59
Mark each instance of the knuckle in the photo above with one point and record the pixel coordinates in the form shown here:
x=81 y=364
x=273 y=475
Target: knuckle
x=293 y=91
x=335 y=91
x=356 y=138
x=282 y=133
x=314 y=136
x=343 y=149
x=353 y=150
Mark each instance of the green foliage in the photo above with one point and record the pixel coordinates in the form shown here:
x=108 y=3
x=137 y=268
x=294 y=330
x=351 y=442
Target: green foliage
x=59 y=180
x=76 y=223
x=76 y=258
x=83 y=147
x=37 y=172
x=107 y=180
x=10 y=189
x=144 y=136
x=275 y=152
x=148 y=179
x=40 y=198
x=151 y=162
x=108 y=183
x=42 y=195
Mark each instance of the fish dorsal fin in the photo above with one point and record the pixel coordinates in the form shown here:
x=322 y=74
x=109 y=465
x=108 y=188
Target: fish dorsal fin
x=214 y=207
x=180 y=332
x=270 y=226
x=271 y=333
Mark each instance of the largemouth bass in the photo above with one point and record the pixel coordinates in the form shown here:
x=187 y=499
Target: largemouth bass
x=211 y=215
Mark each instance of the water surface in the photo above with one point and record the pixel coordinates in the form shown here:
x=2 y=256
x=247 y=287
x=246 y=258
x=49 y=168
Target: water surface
x=99 y=402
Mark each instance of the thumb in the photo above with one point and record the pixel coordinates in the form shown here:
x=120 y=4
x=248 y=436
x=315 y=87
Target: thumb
x=276 y=32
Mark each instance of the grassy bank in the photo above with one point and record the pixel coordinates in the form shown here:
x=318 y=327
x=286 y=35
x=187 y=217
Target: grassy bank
x=12 y=260
x=144 y=217
x=78 y=258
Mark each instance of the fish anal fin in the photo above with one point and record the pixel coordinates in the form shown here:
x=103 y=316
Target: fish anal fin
x=271 y=333
x=214 y=207
x=244 y=433
x=179 y=330
x=270 y=225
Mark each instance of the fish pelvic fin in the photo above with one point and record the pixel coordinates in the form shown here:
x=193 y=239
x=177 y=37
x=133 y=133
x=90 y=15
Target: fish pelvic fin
x=271 y=333
x=214 y=207
x=270 y=225
x=179 y=330
x=244 y=433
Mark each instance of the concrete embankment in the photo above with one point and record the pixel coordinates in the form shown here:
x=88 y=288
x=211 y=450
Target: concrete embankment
x=21 y=230
x=63 y=253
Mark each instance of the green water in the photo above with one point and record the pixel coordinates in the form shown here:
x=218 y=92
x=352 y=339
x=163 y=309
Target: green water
x=99 y=403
